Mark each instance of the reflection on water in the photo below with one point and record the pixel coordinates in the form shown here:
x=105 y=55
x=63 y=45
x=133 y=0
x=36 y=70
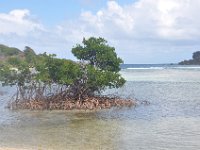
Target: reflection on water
x=170 y=122
x=61 y=130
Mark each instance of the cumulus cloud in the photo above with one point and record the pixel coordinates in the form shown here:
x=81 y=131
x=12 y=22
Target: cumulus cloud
x=171 y=19
x=18 y=22
x=19 y=28
x=146 y=31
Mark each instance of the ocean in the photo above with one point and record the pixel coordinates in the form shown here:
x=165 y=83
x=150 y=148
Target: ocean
x=170 y=120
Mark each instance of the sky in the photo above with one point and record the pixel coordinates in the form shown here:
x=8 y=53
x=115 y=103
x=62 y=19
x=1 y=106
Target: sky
x=142 y=31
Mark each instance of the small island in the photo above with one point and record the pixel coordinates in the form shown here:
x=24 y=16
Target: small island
x=194 y=61
x=44 y=81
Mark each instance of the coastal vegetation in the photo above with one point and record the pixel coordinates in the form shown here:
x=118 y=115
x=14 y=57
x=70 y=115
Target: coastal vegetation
x=6 y=51
x=194 y=61
x=44 y=81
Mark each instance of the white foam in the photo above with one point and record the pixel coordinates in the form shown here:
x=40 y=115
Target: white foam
x=150 y=68
x=197 y=67
x=160 y=68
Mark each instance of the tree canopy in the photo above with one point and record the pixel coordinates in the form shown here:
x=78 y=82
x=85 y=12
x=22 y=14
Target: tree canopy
x=101 y=63
x=196 y=56
x=98 y=53
x=36 y=75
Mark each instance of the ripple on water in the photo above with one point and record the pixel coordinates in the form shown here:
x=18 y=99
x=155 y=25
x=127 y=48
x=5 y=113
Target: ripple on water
x=170 y=122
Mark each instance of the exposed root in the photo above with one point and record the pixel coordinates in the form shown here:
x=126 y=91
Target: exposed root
x=91 y=103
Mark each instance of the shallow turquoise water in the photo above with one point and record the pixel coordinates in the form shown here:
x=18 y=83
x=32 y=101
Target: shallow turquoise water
x=170 y=122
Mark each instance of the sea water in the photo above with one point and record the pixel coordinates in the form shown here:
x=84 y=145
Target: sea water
x=170 y=122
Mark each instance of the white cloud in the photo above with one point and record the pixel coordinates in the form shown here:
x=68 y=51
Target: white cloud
x=18 y=22
x=167 y=19
x=19 y=28
x=146 y=31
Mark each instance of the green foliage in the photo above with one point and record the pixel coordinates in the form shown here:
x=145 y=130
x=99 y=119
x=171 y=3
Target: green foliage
x=98 y=80
x=8 y=51
x=32 y=74
x=16 y=76
x=60 y=71
x=101 y=65
x=98 y=53
x=15 y=70
x=194 y=61
x=30 y=55
x=14 y=61
x=196 y=56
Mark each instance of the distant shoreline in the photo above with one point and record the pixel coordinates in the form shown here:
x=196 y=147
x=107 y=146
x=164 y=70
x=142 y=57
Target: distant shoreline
x=194 y=61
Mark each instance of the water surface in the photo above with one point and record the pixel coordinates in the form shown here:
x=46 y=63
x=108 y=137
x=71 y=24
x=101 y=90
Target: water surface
x=170 y=122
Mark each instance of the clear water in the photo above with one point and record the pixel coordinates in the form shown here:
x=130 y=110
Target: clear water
x=170 y=122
